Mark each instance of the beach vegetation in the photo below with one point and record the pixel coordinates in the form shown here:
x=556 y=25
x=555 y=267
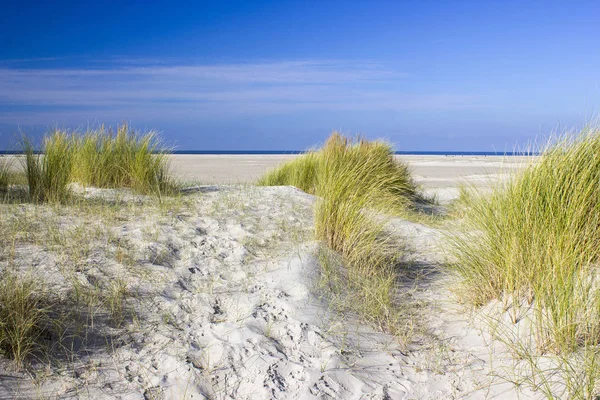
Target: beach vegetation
x=99 y=158
x=357 y=156
x=123 y=158
x=48 y=176
x=532 y=243
x=22 y=314
x=5 y=174
x=356 y=181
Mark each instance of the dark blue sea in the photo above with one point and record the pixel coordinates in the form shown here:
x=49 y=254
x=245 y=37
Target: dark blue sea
x=416 y=153
x=259 y=152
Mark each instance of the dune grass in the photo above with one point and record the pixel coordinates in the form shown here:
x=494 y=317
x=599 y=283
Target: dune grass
x=308 y=170
x=39 y=321
x=300 y=172
x=353 y=179
x=121 y=159
x=534 y=244
x=48 y=176
x=22 y=314
x=5 y=174
x=99 y=158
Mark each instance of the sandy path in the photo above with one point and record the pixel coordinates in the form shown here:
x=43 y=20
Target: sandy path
x=226 y=308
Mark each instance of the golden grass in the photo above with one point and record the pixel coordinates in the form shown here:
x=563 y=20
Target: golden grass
x=99 y=158
x=22 y=314
x=49 y=175
x=533 y=242
x=121 y=159
x=353 y=179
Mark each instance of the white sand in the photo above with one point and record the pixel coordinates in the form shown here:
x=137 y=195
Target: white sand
x=227 y=306
x=439 y=175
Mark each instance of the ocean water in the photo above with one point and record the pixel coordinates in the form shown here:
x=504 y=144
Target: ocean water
x=417 y=153
x=260 y=152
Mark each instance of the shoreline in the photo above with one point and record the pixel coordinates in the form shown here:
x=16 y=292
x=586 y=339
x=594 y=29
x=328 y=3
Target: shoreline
x=437 y=175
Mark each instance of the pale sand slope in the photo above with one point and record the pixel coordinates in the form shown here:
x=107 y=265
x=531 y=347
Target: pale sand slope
x=226 y=306
x=441 y=175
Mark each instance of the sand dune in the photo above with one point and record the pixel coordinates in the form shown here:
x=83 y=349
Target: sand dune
x=223 y=303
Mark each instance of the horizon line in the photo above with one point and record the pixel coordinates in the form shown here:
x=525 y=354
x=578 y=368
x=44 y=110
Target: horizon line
x=298 y=152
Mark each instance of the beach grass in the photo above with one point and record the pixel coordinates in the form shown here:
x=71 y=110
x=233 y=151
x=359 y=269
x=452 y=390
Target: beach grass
x=99 y=158
x=533 y=244
x=308 y=171
x=5 y=174
x=48 y=176
x=301 y=173
x=22 y=314
x=124 y=158
x=355 y=181
x=38 y=324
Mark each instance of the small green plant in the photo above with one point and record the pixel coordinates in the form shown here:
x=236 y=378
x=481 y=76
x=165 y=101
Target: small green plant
x=115 y=298
x=22 y=313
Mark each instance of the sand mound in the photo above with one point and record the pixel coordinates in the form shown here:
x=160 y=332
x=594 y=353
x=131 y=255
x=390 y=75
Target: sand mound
x=222 y=306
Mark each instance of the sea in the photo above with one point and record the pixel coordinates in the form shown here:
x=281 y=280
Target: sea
x=263 y=152
x=414 y=153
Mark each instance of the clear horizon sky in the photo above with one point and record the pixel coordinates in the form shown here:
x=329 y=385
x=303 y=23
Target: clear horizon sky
x=281 y=75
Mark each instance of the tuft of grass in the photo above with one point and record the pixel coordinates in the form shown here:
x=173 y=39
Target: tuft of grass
x=5 y=174
x=359 y=155
x=48 y=176
x=533 y=244
x=22 y=313
x=300 y=172
x=123 y=158
x=98 y=158
x=354 y=179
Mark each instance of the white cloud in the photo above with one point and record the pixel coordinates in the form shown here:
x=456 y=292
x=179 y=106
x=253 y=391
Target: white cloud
x=209 y=91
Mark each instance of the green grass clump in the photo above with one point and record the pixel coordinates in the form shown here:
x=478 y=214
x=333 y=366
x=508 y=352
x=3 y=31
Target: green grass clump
x=22 y=313
x=370 y=160
x=5 y=174
x=48 y=176
x=354 y=178
x=98 y=158
x=537 y=238
x=300 y=172
x=121 y=159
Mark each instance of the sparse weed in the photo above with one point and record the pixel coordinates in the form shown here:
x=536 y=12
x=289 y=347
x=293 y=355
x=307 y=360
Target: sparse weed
x=5 y=174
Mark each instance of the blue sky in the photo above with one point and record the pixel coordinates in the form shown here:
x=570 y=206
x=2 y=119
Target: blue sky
x=267 y=75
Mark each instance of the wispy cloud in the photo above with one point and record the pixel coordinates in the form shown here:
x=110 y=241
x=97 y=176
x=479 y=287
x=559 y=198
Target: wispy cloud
x=208 y=91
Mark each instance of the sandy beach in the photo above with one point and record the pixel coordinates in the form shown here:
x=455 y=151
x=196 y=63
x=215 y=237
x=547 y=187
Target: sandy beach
x=404 y=254
x=441 y=175
x=219 y=296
